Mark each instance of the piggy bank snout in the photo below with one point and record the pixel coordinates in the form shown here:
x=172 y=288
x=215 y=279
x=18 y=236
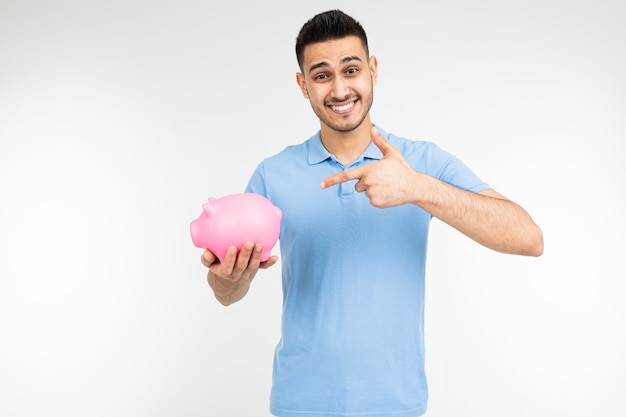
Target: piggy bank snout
x=196 y=228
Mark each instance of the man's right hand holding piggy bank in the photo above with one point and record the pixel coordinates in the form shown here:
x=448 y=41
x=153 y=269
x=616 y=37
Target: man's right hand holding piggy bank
x=231 y=278
x=238 y=233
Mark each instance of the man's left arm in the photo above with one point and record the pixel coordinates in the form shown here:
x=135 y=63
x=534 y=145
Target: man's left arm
x=487 y=217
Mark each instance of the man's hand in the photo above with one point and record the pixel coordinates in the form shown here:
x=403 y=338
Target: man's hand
x=236 y=266
x=487 y=217
x=388 y=182
x=231 y=278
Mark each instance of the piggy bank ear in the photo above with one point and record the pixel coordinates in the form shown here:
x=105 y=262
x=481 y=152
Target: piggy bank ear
x=209 y=208
x=279 y=213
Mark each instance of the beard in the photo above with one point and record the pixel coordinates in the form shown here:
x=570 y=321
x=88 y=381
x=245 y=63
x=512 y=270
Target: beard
x=349 y=122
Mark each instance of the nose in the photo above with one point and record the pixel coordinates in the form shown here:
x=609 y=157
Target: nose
x=340 y=89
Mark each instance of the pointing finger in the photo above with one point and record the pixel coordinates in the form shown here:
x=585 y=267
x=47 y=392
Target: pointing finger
x=351 y=174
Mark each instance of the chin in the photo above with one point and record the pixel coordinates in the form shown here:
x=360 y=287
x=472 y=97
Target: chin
x=345 y=126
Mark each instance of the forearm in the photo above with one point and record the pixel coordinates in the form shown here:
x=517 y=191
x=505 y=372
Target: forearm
x=488 y=218
x=226 y=291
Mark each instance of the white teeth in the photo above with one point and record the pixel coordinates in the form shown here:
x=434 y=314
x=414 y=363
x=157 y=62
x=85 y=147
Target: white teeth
x=344 y=107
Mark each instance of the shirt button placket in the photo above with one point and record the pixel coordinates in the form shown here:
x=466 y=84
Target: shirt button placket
x=347 y=188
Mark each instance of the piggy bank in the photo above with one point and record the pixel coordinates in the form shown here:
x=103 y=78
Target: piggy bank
x=235 y=219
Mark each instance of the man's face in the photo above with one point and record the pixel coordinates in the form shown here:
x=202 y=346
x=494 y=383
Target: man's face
x=338 y=79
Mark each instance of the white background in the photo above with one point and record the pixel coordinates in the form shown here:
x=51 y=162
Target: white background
x=119 y=118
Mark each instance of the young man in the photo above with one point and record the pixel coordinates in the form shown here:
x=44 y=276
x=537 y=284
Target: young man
x=356 y=204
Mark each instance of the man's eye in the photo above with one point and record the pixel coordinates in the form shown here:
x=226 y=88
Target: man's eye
x=321 y=76
x=351 y=71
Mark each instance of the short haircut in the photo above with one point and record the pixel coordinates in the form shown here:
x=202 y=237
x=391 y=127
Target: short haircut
x=326 y=26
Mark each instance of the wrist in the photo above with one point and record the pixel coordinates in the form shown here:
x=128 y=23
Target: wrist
x=419 y=190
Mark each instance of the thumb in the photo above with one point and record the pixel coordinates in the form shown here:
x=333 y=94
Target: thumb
x=383 y=144
x=208 y=258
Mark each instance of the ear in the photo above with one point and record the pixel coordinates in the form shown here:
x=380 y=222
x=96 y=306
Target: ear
x=373 y=66
x=209 y=208
x=278 y=213
x=302 y=84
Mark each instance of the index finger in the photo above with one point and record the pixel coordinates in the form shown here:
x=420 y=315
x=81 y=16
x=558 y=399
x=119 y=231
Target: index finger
x=351 y=174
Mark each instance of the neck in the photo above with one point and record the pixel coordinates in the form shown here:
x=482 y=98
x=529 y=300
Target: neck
x=347 y=146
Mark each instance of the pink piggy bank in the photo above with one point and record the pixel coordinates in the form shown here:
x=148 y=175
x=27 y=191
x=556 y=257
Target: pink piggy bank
x=235 y=219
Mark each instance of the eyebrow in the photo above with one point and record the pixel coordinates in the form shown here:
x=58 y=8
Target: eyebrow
x=343 y=61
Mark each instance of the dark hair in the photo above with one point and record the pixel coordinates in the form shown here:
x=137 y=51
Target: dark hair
x=330 y=25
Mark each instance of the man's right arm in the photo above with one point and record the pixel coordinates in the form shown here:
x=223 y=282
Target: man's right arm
x=230 y=279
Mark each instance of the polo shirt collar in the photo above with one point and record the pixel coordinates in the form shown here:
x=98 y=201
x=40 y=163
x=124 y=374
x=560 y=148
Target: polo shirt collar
x=318 y=153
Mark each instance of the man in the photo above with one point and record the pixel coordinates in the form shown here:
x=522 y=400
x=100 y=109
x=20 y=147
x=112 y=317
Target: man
x=356 y=205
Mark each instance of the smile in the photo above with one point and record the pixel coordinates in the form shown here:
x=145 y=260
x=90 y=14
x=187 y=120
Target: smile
x=344 y=108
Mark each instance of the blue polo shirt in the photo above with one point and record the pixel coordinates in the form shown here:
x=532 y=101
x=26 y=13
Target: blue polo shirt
x=352 y=340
